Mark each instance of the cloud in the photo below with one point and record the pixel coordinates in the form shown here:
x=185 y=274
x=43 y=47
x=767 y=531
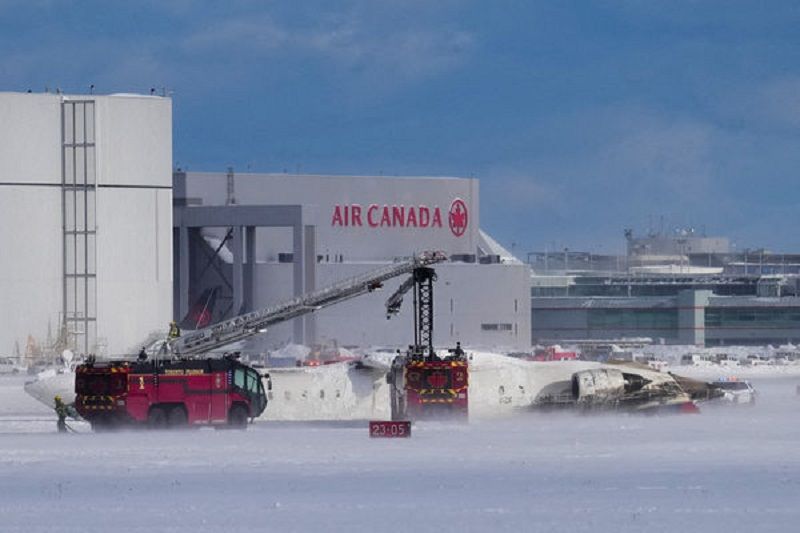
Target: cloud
x=348 y=42
x=408 y=54
x=779 y=101
x=655 y=155
x=615 y=166
x=356 y=47
x=259 y=34
x=770 y=106
x=521 y=189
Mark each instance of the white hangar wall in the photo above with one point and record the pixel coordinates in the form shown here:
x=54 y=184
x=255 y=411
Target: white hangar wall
x=85 y=196
x=30 y=212
x=467 y=300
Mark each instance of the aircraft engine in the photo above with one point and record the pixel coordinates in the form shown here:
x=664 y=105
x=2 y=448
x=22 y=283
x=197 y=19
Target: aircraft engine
x=597 y=386
x=606 y=385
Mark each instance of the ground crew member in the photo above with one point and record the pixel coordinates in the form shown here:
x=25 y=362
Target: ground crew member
x=458 y=351
x=174 y=330
x=61 y=411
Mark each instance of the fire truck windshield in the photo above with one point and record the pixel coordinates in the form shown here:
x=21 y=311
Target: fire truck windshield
x=249 y=381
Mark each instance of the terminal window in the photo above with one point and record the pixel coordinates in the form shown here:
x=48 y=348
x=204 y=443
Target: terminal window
x=633 y=319
x=741 y=317
x=496 y=327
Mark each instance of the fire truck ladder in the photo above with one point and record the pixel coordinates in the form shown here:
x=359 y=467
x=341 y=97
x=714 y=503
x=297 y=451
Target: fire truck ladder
x=421 y=280
x=255 y=322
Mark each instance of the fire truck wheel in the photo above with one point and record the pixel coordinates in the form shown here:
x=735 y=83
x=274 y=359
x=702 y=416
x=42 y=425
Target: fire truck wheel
x=177 y=418
x=102 y=424
x=237 y=418
x=157 y=419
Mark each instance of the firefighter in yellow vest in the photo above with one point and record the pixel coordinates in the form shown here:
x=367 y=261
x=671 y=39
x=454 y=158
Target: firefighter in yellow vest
x=174 y=330
x=61 y=411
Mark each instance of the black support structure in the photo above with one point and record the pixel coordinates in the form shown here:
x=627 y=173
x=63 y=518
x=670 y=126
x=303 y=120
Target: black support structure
x=423 y=311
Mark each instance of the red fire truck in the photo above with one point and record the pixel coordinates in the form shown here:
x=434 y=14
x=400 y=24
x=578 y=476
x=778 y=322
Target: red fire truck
x=423 y=384
x=169 y=393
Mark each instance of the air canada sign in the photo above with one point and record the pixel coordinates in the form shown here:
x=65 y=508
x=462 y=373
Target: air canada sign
x=402 y=216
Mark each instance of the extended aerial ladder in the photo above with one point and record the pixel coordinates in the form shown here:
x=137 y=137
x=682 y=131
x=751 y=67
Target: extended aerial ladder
x=250 y=324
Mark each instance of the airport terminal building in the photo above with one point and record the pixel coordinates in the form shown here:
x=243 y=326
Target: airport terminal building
x=676 y=288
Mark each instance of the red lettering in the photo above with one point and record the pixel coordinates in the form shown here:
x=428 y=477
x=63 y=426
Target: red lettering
x=337 y=216
x=411 y=221
x=424 y=216
x=398 y=215
x=390 y=216
x=437 y=217
x=370 y=213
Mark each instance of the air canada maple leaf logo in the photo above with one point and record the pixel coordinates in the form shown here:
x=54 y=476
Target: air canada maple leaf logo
x=459 y=218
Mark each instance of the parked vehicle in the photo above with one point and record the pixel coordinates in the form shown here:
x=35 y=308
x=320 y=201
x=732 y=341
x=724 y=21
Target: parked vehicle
x=756 y=360
x=786 y=358
x=9 y=366
x=553 y=353
x=724 y=359
x=697 y=359
x=656 y=364
x=737 y=391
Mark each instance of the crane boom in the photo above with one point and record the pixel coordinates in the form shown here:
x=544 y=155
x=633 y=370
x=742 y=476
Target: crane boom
x=244 y=326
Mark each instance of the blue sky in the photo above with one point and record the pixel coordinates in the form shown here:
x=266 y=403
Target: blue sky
x=579 y=118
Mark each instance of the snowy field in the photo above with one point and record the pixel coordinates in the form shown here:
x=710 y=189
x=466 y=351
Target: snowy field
x=727 y=469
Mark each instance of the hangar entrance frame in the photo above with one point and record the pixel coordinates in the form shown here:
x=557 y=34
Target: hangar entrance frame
x=242 y=221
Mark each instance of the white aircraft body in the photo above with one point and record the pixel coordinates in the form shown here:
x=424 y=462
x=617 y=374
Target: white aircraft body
x=499 y=386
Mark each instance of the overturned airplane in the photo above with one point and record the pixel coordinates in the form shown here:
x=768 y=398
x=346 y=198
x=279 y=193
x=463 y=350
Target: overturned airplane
x=499 y=386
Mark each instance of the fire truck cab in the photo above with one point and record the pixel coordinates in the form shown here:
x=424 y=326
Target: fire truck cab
x=169 y=393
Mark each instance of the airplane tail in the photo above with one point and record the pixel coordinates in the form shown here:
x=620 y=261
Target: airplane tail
x=201 y=312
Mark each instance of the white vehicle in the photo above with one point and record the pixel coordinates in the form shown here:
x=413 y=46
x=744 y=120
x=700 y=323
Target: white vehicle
x=656 y=364
x=697 y=359
x=724 y=359
x=756 y=360
x=786 y=358
x=8 y=366
x=737 y=391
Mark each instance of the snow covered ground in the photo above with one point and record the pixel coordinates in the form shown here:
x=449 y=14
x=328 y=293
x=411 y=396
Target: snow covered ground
x=727 y=469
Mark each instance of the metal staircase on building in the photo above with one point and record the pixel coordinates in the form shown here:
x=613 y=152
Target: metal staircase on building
x=78 y=197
